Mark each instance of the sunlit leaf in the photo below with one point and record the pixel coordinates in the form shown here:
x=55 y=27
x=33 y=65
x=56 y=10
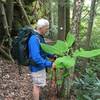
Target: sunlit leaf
x=65 y=61
x=86 y=54
x=59 y=48
x=51 y=49
x=70 y=39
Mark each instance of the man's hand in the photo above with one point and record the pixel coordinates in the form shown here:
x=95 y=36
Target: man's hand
x=53 y=58
x=53 y=66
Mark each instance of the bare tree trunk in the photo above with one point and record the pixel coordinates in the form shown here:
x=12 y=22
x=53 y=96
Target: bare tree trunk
x=9 y=13
x=61 y=19
x=88 y=34
x=5 y=54
x=90 y=24
x=4 y=19
x=53 y=16
x=6 y=28
x=76 y=19
x=78 y=5
x=67 y=17
x=23 y=11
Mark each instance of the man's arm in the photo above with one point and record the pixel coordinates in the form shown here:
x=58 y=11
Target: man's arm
x=34 y=50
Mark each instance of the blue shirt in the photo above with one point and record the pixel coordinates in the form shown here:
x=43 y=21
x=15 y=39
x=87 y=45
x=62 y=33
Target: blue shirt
x=37 y=54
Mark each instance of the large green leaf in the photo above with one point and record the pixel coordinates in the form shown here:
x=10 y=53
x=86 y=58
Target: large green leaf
x=86 y=54
x=70 y=39
x=65 y=61
x=51 y=49
x=59 y=48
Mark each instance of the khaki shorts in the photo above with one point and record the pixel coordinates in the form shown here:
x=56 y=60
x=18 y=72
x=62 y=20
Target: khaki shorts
x=39 y=78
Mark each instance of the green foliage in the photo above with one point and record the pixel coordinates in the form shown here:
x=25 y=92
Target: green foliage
x=69 y=40
x=61 y=48
x=86 y=54
x=87 y=87
x=39 y=10
x=65 y=61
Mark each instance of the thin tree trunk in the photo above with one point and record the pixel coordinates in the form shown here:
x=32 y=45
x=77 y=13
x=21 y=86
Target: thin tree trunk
x=67 y=17
x=90 y=24
x=6 y=28
x=76 y=19
x=9 y=13
x=89 y=33
x=4 y=19
x=61 y=19
x=23 y=11
x=78 y=5
x=53 y=16
x=5 y=54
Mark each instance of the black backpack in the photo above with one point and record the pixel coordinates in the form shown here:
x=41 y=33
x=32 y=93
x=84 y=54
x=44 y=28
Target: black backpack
x=19 y=49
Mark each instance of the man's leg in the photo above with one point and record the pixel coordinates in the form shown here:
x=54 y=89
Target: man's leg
x=36 y=92
x=39 y=80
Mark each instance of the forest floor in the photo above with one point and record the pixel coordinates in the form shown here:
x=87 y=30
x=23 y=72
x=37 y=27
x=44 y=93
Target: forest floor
x=16 y=87
x=12 y=85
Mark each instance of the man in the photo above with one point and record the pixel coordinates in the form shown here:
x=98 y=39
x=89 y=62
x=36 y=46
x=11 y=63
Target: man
x=39 y=57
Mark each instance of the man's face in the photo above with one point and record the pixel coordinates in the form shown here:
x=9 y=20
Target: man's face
x=44 y=30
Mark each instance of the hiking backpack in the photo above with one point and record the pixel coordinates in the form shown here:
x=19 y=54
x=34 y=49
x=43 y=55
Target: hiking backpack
x=19 y=49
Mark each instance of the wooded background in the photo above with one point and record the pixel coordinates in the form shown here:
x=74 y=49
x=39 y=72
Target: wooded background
x=80 y=17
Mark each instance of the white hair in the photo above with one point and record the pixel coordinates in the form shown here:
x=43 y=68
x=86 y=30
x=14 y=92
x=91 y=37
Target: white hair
x=42 y=22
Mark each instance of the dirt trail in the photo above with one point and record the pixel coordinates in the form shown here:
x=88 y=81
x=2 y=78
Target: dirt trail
x=12 y=85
